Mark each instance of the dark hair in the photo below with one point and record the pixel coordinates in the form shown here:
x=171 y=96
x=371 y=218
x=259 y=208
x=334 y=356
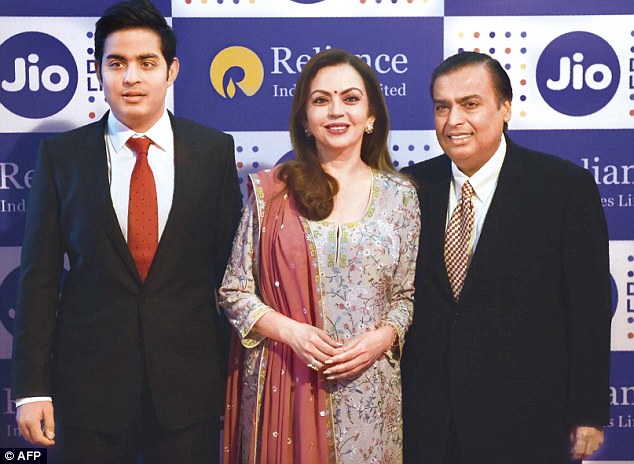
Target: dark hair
x=132 y=15
x=311 y=187
x=501 y=81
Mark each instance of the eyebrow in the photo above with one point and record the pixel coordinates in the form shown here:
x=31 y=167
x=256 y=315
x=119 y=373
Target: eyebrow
x=460 y=99
x=350 y=89
x=469 y=97
x=145 y=56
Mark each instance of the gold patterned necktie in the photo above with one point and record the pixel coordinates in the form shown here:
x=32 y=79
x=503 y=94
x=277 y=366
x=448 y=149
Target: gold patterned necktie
x=142 y=208
x=457 y=240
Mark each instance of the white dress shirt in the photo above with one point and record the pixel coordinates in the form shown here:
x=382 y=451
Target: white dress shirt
x=484 y=183
x=121 y=162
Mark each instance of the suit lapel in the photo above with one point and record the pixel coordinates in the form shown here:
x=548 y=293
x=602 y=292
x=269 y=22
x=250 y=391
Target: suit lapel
x=437 y=218
x=97 y=165
x=186 y=164
x=503 y=205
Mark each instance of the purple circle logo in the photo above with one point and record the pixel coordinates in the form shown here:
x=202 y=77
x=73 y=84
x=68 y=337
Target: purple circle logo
x=38 y=75
x=307 y=2
x=615 y=295
x=8 y=289
x=578 y=73
x=289 y=155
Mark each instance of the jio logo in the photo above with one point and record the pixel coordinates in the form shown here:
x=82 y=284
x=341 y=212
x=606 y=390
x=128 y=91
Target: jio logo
x=288 y=156
x=578 y=73
x=38 y=75
x=615 y=295
x=8 y=289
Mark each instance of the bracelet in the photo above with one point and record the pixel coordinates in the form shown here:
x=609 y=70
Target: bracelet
x=388 y=324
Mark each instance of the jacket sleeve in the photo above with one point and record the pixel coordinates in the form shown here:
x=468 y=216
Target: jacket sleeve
x=41 y=269
x=587 y=299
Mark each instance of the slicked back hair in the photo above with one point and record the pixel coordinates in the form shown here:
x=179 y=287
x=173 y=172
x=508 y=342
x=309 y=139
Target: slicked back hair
x=135 y=14
x=501 y=81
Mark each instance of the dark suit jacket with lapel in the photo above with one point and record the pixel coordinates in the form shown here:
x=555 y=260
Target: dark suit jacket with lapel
x=525 y=352
x=90 y=346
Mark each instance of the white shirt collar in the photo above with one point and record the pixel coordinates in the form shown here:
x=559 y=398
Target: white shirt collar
x=160 y=133
x=485 y=179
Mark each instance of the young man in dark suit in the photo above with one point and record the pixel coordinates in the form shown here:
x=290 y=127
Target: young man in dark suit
x=508 y=357
x=145 y=206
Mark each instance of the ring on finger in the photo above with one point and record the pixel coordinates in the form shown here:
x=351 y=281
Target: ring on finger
x=313 y=365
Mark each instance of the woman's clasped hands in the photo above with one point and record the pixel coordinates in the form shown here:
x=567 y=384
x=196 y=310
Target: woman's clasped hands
x=337 y=360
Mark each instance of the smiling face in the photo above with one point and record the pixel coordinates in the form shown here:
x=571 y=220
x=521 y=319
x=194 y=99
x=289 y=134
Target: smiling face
x=337 y=111
x=135 y=77
x=469 y=118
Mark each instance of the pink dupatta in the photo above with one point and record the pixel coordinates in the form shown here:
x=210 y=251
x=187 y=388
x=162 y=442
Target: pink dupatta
x=294 y=417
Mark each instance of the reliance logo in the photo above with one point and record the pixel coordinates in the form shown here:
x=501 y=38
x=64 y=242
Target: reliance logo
x=246 y=61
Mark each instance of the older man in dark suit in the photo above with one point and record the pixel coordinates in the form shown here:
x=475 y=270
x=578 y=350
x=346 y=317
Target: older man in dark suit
x=145 y=206
x=507 y=361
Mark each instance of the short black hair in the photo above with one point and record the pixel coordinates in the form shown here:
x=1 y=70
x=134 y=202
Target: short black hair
x=135 y=14
x=501 y=81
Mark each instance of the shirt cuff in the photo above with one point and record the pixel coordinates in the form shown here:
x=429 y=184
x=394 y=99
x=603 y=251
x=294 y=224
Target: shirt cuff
x=31 y=399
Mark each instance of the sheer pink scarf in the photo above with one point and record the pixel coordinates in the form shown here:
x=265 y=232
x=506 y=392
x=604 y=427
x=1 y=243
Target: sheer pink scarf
x=294 y=423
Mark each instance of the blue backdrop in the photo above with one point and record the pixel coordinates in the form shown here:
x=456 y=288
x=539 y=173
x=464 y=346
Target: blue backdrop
x=571 y=64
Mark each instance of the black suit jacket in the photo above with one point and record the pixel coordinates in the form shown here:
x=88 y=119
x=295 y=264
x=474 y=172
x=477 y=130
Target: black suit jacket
x=90 y=344
x=525 y=352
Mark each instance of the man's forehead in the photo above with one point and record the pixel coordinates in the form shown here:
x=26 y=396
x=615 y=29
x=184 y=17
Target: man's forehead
x=466 y=82
x=134 y=36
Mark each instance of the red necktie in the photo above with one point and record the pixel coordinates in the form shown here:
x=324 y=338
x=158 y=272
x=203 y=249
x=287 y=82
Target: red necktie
x=457 y=240
x=142 y=209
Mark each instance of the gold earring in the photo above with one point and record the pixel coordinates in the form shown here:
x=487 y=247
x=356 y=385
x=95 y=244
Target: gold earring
x=369 y=127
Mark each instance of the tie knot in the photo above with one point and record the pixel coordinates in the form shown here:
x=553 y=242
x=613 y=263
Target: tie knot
x=467 y=190
x=139 y=145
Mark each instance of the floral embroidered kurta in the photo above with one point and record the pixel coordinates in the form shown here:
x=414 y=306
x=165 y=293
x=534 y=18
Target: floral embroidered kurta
x=365 y=278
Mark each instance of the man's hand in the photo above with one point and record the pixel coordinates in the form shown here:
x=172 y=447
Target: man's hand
x=585 y=441
x=36 y=422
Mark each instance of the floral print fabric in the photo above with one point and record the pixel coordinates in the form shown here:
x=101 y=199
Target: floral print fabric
x=366 y=279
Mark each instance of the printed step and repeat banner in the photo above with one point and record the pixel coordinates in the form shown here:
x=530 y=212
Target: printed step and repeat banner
x=571 y=64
